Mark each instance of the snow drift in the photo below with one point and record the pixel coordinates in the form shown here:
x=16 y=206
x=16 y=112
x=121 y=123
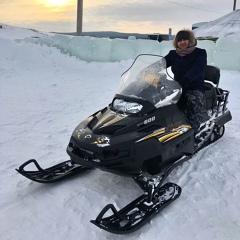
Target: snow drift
x=223 y=53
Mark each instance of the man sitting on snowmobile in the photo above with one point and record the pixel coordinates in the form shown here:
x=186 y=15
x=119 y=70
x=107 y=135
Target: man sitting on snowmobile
x=188 y=65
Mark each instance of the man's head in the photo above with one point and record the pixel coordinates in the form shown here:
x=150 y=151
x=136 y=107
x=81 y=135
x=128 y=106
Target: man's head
x=183 y=35
x=184 y=39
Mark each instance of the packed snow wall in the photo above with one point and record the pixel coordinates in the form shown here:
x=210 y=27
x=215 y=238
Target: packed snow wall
x=225 y=53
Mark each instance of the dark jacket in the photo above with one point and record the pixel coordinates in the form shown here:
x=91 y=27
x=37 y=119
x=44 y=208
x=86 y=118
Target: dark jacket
x=188 y=70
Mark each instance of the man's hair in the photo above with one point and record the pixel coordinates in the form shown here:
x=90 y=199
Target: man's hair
x=185 y=34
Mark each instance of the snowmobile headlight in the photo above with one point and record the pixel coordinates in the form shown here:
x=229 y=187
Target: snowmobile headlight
x=127 y=107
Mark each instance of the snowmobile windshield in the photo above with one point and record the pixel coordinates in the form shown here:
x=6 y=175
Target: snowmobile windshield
x=147 y=80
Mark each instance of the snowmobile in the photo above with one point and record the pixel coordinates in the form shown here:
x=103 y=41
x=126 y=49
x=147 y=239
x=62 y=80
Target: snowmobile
x=143 y=134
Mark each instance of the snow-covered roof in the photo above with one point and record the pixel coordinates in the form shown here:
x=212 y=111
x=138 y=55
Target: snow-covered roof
x=227 y=25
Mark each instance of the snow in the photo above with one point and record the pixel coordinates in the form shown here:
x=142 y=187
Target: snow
x=44 y=94
x=225 y=26
x=222 y=54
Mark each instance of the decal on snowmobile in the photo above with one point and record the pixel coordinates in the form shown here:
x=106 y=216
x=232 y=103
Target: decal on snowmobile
x=102 y=141
x=163 y=135
x=149 y=120
x=88 y=136
x=176 y=132
x=110 y=118
x=154 y=134
x=79 y=132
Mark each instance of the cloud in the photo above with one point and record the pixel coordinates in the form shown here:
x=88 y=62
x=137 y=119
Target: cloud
x=152 y=15
x=143 y=16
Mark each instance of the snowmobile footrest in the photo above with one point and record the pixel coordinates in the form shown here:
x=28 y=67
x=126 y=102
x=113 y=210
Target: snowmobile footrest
x=55 y=173
x=138 y=212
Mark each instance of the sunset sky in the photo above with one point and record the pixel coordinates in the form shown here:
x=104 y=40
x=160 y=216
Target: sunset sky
x=140 y=16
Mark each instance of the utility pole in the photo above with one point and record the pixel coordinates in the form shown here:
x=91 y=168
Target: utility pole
x=234 y=5
x=79 y=17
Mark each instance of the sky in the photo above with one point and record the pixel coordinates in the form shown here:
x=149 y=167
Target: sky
x=136 y=16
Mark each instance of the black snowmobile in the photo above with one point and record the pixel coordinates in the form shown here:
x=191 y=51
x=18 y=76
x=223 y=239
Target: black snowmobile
x=143 y=134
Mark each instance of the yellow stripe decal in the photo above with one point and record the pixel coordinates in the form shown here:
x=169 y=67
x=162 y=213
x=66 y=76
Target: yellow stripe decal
x=161 y=139
x=169 y=135
x=169 y=139
x=154 y=134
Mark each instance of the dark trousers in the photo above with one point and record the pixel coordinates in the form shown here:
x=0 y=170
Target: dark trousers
x=194 y=101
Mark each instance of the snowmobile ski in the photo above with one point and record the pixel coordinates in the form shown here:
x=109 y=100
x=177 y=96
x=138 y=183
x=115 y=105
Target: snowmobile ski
x=138 y=212
x=155 y=198
x=55 y=173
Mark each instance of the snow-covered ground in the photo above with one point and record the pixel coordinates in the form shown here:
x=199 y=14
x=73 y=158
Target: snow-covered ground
x=44 y=94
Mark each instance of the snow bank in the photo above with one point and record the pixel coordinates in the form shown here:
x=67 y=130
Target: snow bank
x=111 y=50
x=223 y=53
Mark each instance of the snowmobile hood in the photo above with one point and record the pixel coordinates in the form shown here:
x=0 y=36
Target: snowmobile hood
x=144 y=88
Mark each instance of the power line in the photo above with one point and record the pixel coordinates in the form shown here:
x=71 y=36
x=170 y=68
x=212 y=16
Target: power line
x=193 y=7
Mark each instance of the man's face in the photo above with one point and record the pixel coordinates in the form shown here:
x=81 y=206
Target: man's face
x=183 y=44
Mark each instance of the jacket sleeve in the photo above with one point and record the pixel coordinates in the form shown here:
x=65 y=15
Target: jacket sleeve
x=168 y=60
x=199 y=67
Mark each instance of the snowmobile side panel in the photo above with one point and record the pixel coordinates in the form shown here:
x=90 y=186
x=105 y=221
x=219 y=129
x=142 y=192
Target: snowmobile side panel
x=130 y=158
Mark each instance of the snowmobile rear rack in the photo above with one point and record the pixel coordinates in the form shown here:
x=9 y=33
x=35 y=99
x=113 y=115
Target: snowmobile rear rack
x=52 y=174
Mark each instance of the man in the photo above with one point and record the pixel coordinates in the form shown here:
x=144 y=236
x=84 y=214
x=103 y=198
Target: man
x=188 y=65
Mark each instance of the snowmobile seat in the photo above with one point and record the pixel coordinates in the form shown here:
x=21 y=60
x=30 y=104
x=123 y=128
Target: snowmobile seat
x=211 y=77
x=212 y=74
x=210 y=96
x=211 y=81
